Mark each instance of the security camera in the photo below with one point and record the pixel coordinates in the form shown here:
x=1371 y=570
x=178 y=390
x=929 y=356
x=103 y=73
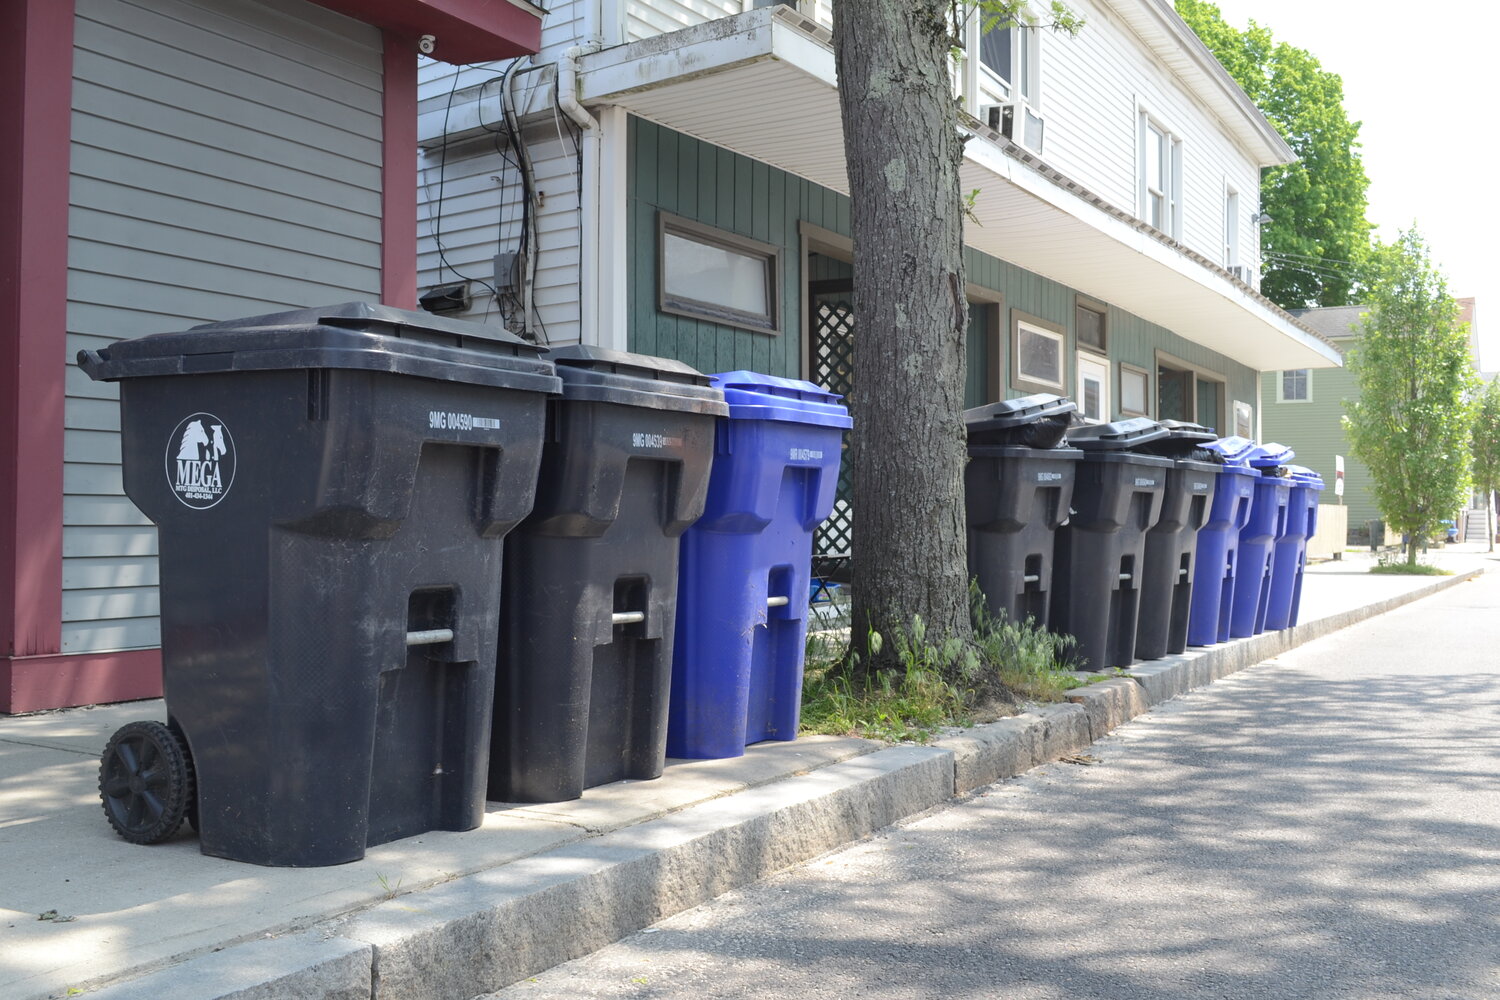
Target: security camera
x=426 y=44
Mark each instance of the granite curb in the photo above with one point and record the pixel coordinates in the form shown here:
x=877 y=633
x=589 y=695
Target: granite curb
x=481 y=932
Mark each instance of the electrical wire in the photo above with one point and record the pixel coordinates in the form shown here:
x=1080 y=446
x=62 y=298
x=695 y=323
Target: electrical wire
x=437 y=235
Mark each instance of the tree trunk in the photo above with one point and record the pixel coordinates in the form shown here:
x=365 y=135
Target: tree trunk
x=907 y=448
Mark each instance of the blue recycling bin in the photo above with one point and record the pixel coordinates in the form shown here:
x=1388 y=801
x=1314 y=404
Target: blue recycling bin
x=1290 y=557
x=1219 y=541
x=1268 y=522
x=745 y=567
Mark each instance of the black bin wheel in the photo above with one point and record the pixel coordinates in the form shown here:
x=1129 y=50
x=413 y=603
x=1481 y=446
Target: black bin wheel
x=146 y=782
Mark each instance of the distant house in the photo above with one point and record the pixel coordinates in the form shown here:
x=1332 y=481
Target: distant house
x=167 y=162
x=1302 y=407
x=669 y=178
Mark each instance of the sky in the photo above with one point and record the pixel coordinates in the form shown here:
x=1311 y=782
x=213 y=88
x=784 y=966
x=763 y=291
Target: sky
x=1423 y=87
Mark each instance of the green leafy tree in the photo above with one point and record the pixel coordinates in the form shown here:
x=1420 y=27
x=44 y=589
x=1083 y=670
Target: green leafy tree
x=1487 y=451
x=1316 y=245
x=1412 y=421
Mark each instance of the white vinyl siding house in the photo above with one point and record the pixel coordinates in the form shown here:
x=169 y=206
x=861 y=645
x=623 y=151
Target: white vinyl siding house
x=225 y=161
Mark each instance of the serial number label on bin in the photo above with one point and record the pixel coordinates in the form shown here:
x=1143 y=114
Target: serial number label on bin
x=807 y=454
x=1142 y=481
x=1200 y=487
x=446 y=420
x=200 y=460
x=643 y=439
x=1049 y=477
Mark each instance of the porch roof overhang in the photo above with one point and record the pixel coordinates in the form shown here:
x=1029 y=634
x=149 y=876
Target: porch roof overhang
x=763 y=84
x=463 y=31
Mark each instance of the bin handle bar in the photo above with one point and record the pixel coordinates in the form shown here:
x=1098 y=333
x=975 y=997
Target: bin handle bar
x=429 y=637
x=631 y=617
x=1031 y=578
x=1127 y=576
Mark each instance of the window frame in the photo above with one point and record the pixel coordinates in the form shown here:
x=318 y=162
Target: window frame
x=1231 y=227
x=1307 y=386
x=1171 y=159
x=1048 y=329
x=1092 y=305
x=770 y=323
x=1148 y=394
x=1083 y=357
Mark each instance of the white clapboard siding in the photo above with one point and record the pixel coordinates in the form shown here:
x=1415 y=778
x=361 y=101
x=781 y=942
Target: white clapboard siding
x=225 y=162
x=644 y=18
x=481 y=217
x=1092 y=86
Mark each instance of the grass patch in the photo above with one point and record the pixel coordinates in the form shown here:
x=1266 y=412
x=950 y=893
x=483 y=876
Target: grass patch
x=1400 y=567
x=952 y=684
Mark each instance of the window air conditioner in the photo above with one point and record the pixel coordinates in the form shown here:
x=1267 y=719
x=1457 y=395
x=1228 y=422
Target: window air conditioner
x=1017 y=122
x=1245 y=273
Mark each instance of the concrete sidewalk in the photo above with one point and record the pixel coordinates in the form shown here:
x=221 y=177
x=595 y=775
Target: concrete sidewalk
x=450 y=915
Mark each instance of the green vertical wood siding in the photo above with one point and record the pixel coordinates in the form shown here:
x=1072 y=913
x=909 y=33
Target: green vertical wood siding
x=675 y=173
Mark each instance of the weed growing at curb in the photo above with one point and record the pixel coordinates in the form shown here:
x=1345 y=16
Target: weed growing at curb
x=1398 y=566
x=951 y=684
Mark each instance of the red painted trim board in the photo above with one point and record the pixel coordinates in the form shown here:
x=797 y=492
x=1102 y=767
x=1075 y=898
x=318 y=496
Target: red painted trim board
x=35 y=122
x=465 y=31
x=33 y=683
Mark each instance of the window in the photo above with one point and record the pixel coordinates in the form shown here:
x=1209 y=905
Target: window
x=1231 y=227
x=1296 y=386
x=1088 y=325
x=1013 y=58
x=710 y=274
x=1161 y=176
x=1037 y=352
x=1093 y=386
x=1135 y=391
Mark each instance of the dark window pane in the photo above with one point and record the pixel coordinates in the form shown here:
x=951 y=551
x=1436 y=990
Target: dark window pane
x=1090 y=324
x=994 y=52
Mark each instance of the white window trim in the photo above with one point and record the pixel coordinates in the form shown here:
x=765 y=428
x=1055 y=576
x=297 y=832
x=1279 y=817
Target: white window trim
x=1024 y=382
x=1233 y=213
x=1149 y=395
x=1087 y=357
x=1281 y=385
x=984 y=86
x=1145 y=116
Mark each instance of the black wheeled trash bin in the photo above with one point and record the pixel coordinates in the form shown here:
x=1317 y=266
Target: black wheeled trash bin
x=332 y=488
x=1017 y=487
x=1172 y=543
x=586 y=658
x=1117 y=497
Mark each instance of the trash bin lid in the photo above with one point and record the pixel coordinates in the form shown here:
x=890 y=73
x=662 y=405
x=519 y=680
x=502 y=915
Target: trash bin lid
x=1304 y=477
x=1122 y=435
x=1184 y=440
x=353 y=335
x=753 y=396
x=1038 y=421
x=1236 y=450
x=600 y=375
x=1271 y=456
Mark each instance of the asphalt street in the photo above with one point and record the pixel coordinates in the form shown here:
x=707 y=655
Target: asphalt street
x=1324 y=825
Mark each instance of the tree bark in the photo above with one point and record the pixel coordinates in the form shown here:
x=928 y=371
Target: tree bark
x=908 y=447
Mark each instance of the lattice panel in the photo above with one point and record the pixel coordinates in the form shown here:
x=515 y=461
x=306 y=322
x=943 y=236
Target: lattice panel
x=833 y=369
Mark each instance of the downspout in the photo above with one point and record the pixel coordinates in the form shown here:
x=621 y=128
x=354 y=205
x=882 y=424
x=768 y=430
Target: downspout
x=588 y=209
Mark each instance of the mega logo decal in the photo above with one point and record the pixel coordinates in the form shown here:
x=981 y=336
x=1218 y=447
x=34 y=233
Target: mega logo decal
x=200 y=461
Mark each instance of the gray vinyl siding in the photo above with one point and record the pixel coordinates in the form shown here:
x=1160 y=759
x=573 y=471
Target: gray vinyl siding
x=673 y=172
x=1313 y=429
x=225 y=162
